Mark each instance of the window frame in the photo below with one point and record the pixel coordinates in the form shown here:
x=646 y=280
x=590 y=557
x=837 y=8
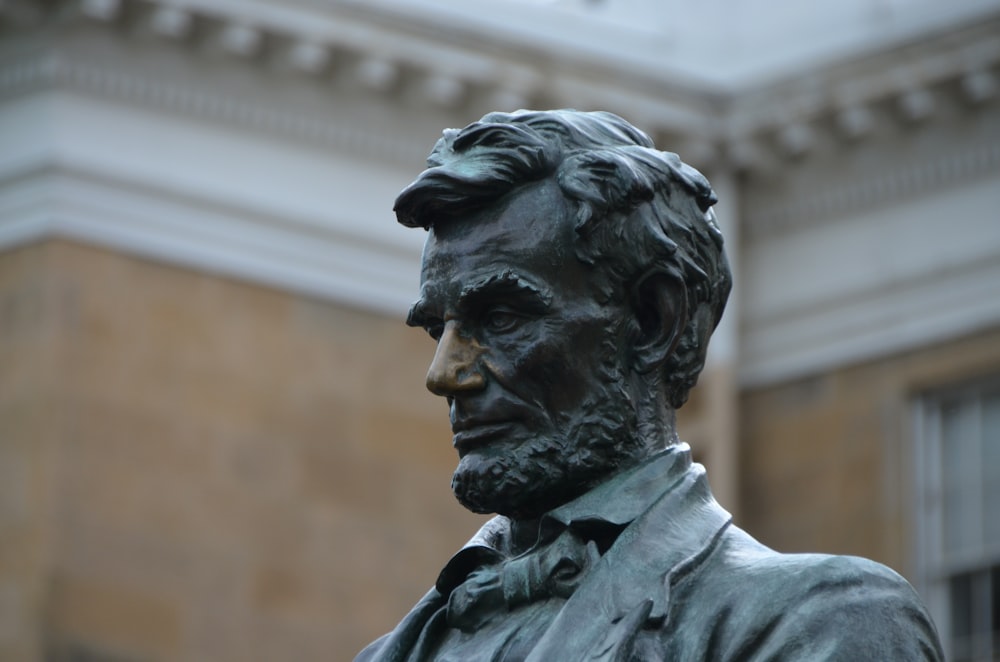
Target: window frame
x=936 y=566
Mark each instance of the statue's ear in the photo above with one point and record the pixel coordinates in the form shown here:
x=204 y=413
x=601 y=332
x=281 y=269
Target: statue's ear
x=659 y=303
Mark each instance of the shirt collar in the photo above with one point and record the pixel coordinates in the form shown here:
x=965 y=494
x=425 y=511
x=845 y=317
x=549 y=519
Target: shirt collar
x=616 y=502
x=628 y=494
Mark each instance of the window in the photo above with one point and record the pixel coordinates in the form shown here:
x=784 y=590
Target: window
x=959 y=517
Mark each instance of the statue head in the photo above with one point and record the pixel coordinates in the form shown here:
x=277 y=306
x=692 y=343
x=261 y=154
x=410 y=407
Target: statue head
x=572 y=276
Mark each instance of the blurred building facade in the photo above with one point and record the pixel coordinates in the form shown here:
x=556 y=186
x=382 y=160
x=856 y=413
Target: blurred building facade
x=214 y=439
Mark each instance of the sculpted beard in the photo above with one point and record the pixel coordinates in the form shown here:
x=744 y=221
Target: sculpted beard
x=535 y=476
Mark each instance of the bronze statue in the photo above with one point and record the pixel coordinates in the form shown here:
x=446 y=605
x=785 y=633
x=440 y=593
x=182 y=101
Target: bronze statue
x=572 y=276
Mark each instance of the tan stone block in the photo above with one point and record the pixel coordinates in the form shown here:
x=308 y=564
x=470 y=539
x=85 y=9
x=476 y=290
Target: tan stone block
x=117 y=618
x=279 y=589
x=12 y=613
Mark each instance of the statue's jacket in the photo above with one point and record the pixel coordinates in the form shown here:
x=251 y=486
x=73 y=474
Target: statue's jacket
x=678 y=582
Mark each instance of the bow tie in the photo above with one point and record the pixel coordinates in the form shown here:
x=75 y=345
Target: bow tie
x=553 y=570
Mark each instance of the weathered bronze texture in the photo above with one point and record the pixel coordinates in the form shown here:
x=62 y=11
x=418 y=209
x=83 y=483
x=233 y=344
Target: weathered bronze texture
x=572 y=276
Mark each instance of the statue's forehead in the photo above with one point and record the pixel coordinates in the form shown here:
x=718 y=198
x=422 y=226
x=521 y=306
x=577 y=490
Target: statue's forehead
x=531 y=220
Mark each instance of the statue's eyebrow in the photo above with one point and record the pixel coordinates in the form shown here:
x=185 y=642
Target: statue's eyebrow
x=508 y=285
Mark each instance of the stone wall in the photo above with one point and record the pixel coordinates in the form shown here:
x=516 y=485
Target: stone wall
x=827 y=462
x=198 y=469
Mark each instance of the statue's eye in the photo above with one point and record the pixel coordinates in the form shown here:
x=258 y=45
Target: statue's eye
x=500 y=320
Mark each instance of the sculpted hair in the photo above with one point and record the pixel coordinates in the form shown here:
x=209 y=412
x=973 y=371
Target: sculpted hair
x=637 y=208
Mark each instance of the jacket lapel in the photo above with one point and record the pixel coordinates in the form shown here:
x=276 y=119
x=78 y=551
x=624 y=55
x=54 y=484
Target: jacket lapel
x=630 y=586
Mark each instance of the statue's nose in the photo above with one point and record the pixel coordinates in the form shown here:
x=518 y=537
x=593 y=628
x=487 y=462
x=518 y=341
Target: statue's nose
x=455 y=367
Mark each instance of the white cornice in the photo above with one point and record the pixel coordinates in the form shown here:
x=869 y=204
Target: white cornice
x=886 y=321
x=293 y=214
x=36 y=71
x=396 y=58
x=906 y=181
x=866 y=80
x=456 y=61
x=871 y=282
x=316 y=261
x=726 y=47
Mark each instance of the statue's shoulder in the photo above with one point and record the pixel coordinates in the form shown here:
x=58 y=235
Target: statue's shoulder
x=803 y=575
x=757 y=603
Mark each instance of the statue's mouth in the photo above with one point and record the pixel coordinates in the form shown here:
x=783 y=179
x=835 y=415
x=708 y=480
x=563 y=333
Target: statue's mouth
x=473 y=434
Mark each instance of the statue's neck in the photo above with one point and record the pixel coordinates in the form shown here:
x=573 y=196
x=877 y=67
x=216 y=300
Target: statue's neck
x=656 y=421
